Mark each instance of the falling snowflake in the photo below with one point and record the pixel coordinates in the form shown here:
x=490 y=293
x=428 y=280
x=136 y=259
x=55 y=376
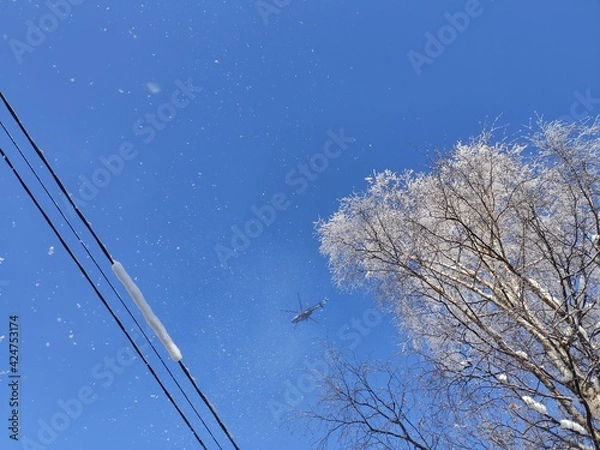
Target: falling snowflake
x=153 y=87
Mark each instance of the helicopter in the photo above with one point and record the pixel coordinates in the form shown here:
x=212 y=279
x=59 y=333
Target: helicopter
x=305 y=314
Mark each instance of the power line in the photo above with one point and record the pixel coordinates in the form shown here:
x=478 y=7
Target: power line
x=208 y=404
x=95 y=262
x=56 y=179
x=98 y=293
x=114 y=263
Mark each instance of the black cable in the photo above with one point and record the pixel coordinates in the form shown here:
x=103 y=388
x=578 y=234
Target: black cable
x=99 y=294
x=95 y=262
x=207 y=403
x=56 y=179
x=107 y=254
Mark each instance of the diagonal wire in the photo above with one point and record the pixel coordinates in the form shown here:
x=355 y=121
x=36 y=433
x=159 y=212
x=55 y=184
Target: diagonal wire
x=56 y=179
x=106 y=253
x=99 y=294
x=95 y=262
x=208 y=404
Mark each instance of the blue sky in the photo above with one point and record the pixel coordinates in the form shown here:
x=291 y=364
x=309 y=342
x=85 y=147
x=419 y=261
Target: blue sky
x=173 y=127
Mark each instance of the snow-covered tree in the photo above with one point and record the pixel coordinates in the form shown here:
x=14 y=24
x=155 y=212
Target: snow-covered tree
x=491 y=263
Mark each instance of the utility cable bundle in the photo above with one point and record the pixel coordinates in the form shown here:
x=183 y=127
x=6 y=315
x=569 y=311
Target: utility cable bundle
x=121 y=274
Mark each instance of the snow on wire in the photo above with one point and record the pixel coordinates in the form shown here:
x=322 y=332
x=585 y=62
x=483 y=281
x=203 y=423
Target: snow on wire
x=150 y=317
